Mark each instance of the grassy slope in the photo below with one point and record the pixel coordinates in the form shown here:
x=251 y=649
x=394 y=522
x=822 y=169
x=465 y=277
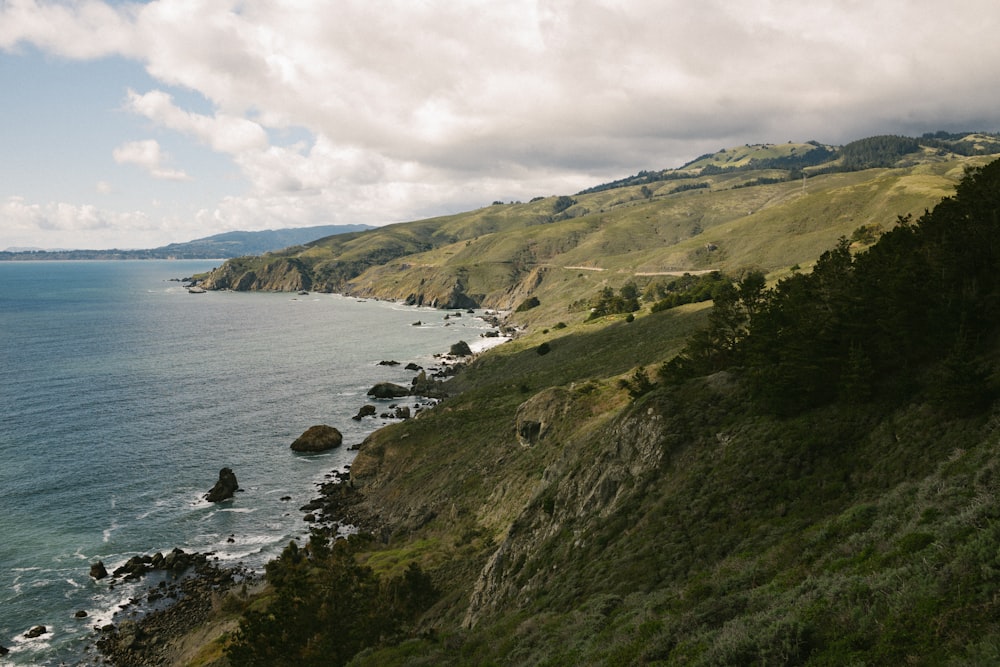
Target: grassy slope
x=836 y=537
x=491 y=252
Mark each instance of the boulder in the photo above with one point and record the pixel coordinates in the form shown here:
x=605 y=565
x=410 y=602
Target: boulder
x=36 y=631
x=98 y=571
x=224 y=488
x=80 y=614
x=460 y=349
x=427 y=387
x=365 y=411
x=318 y=438
x=388 y=390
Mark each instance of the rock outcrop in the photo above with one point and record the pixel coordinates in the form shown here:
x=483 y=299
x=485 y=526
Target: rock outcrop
x=388 y=390
x=98 y=571
x=224 y=488
x=318 y=438
x=365 y=411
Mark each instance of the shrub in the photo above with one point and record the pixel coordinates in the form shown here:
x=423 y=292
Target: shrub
x=528 y=304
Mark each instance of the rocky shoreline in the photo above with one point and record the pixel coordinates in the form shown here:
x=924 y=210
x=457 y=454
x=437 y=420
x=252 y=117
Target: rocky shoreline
x=154 y=629
x=153 y=626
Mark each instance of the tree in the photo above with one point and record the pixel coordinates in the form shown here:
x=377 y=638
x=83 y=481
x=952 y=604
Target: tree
x=562 y=203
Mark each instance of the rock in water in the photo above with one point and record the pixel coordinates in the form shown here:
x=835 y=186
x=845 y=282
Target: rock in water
x=460 y=349
x=36 y=631
x=318 y=438
x=388 y=390
x=224 y=488
x=98 y=571
x=364 y=411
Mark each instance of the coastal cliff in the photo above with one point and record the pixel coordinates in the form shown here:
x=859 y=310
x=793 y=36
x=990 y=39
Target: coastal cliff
x=735 y=483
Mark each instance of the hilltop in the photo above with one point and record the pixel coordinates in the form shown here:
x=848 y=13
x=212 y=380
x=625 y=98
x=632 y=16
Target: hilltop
x=790 y=458
x=769 y=207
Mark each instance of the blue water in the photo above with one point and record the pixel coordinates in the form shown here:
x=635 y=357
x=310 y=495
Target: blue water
x=121 y=397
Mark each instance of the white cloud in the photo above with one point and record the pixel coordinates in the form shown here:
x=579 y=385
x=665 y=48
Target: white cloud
x=147 y=155
x=426 y=107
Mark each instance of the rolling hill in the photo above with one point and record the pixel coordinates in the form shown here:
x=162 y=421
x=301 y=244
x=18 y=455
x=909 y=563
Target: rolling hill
x=803 y=473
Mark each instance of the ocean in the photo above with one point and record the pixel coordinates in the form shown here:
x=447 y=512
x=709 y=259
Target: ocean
x=122 y=396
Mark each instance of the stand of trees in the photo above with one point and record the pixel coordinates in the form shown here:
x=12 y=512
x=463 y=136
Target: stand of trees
x=324 y=607
x=917 y=311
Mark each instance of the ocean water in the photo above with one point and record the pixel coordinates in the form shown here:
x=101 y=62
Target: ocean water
x=121 y=397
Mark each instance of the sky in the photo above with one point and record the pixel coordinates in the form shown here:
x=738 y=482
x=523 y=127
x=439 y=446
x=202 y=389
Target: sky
x=137 y=124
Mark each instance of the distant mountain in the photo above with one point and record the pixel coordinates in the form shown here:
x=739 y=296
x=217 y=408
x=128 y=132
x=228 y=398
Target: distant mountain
x=217 y=246
x=237 y=244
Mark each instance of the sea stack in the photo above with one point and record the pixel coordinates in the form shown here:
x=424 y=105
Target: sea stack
x=224 y=488
x=318 y=438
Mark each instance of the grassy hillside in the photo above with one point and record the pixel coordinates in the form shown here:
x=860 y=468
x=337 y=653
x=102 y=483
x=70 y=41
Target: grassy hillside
x=728 y=219
x=570 y=505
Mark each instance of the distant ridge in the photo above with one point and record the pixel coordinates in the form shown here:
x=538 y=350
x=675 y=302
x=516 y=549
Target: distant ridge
x=217 y=246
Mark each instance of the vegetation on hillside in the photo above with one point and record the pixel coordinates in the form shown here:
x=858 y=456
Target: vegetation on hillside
x=813 y=480
x=916 y=311
x=732 y=209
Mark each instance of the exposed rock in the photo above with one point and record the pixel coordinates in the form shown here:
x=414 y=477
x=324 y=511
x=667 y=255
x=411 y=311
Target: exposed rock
x=528 y=432
x=460 y=349
x=428 y=388
x=80 y=614
x=134 y=567
x=154 y=639
x=4 y=650
x=224 y=488
x=36 y=631
x=388 y=390
x=364 y=411
x=402 y=412
x=388 y=362
x=413 y=367
x=98 y=571
x=318 y=438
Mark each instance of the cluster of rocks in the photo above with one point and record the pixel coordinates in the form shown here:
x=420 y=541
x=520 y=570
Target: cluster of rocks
x=337 y=505
x=176 y=562
x=145 y=641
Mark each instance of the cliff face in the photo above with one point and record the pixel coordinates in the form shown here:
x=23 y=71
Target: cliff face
x=596 y=472
x=282 y=275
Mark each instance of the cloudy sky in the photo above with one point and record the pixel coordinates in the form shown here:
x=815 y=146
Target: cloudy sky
x=136 y=124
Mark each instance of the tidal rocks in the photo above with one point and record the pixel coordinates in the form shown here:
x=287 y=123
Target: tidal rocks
x=224 y=488
x=461 y=349
x=427 y=387
x=98 y=571
x=364 y=411
x=36 y=631
x=143 y=641
x=318 y=438
x=388 y=390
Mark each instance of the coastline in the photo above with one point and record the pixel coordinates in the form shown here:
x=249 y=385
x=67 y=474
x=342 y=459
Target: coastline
x=185 y=622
